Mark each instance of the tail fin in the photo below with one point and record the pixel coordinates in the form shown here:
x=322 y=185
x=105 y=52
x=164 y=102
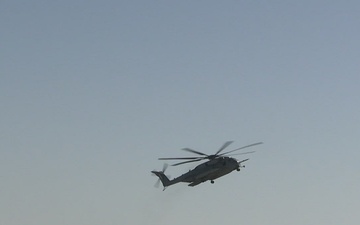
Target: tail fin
x=163 y=178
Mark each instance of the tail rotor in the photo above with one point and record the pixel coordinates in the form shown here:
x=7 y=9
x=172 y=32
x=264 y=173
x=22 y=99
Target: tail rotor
x=165 y=166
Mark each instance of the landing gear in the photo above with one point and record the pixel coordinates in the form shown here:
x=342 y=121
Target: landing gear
x=238 y=169
x=212 y=181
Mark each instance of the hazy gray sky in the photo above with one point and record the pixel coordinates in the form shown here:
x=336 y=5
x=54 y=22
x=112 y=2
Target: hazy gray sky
x=93 y=92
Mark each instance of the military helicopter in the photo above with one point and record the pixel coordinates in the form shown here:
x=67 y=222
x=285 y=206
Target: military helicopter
x=217 y=166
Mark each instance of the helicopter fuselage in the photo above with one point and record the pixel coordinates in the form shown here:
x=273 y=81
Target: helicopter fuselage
x=209 y=170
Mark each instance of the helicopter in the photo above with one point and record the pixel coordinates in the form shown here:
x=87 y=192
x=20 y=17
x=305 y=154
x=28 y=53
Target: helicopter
x=218 y=165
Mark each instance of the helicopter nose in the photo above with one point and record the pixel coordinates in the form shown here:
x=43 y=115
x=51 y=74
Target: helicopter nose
x=235 y=163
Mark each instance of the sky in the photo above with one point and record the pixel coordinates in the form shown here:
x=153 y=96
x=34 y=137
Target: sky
x=92 y=93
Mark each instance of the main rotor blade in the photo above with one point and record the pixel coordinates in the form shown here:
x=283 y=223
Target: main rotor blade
x=193 y=151
x=247 y=146
x=180 y=158
x=176 y=164
x=224 y=146
x=243 y=153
